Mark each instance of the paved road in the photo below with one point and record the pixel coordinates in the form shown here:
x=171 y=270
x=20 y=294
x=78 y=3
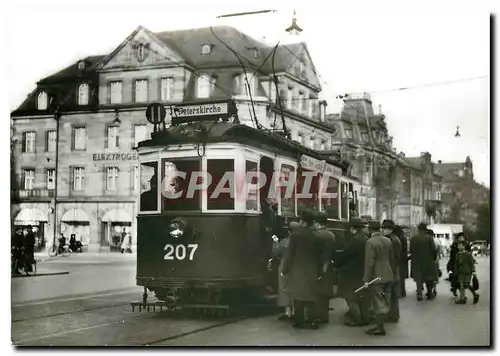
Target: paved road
x=103 y=316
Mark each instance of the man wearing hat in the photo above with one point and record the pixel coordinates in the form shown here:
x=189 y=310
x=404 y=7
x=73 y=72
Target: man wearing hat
x=423 y=258
x=29 y=247
x=352 y=266
x=388 y=228
x=378 y=261
x=373 y=227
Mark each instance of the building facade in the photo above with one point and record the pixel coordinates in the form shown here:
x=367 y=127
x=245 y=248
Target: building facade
x=74 y=136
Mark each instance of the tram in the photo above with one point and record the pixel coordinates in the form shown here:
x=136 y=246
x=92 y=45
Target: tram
x=211 y=190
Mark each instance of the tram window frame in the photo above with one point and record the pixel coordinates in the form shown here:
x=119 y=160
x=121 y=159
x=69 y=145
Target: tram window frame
x=157 y=191
x=211 y=187
x=344 y=199
x=256 y=209
x=293 y=175
x=316 y=192
x=197 y=194
x=324 y=190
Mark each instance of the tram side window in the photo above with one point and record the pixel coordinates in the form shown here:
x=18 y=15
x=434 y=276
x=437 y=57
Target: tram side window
x=149 y=186
x=353 y=201
x=344 y=203
x=252 y=191
x=287 y=192
x=307 y=193
x=220 y=192
x=330 y=204
x=181 y=184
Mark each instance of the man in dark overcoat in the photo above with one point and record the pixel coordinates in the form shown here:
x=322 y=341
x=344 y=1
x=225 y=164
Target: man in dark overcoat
x=352 y=266
x=326 y=247
x=29 y=247
x=423 y=258
x=378 y=261
x=388 y=227
x=302 y=268
x=403 y=265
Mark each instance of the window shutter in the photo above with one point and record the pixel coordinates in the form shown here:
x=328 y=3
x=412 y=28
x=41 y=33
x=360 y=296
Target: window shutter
x=172 y=89
x=73 y=138
x=24 y=142
x=47 y=141
x=106 y=130
x=72 y=177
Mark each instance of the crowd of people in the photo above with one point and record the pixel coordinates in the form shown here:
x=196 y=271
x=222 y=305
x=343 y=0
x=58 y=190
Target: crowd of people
x=23 y=250
x=367 y=268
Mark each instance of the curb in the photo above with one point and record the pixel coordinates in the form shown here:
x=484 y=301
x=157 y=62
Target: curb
x=41 y=274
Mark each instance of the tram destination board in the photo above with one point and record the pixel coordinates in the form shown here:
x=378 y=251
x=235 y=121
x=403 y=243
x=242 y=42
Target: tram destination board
x=202 y=111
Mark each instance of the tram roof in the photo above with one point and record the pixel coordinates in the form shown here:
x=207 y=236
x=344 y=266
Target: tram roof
x=214 y=132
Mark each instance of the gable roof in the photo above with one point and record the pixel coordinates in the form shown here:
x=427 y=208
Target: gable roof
x=72 y=70
x=448 y=170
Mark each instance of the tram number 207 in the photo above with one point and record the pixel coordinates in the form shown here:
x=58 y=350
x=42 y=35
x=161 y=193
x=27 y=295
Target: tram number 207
x=180 y=252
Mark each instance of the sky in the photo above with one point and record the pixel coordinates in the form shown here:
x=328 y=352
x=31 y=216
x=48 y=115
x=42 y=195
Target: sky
x=356 y=46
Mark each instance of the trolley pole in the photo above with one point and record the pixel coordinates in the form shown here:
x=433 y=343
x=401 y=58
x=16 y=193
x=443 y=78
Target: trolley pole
x=57 y=116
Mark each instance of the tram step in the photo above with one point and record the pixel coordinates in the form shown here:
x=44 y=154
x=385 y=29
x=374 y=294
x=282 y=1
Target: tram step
x=149 y=305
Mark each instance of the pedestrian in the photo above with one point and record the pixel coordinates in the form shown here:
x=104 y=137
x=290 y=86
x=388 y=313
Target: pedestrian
x=280 y=251
x=126 y=242
x=403 y=262
x=423 y=258
x=301 y=267
x=437 y=243
x=464 y=269
x=388 y=227
x=450 y=266
x=326 y=247
x=378 y=261
x=351 y=263
x=29 y=248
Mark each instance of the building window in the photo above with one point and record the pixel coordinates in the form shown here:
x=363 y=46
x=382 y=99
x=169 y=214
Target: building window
x=29 y=179
x=111 y=178
x=302 y=102
x=205 y=86
x=141 y=90
x=206 y=49
x=272 y=92
x=364 y=136
x=302 y=139
x=78 y=178
x=311 y=143
x=115 y=92
x=81 y=65
x=368 y=171
x=51 y=141
x=323 y=145
x=348 y=132
x=167 y=89
x=29 y=142
x=43 y=101
x=79 y=138
x=113 y=137
x=51 y=176
x=83 y=94
x=461 y=173
x=141 y=53
x=289 y=97
x=140 y=133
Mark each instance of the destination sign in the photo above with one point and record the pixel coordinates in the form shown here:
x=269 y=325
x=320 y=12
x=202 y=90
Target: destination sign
x=114 y=156
x=319 y=166
x=201 y=110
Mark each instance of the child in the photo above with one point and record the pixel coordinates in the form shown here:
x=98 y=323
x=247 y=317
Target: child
x=464 y=269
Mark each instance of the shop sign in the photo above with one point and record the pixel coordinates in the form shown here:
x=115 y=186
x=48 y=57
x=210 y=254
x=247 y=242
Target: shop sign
x=114 y=156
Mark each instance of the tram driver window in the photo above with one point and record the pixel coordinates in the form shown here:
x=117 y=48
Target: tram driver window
x=149 y=186
x=252 y=198
x=179 y=180
x=307 y=194
x=220 y=192
x=287 y=192
x=344 y=203
x=330 y=201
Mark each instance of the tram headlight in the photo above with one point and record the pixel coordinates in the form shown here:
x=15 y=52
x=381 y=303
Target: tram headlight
x=176 y=230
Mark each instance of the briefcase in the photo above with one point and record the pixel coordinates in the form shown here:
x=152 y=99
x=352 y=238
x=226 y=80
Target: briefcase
x=475 y=283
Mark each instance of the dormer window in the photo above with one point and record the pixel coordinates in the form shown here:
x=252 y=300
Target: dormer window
x=81 y=65
x=206 y=49
x=83 y=94
x=43 y=101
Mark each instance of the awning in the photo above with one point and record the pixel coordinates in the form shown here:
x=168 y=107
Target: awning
x=77 y=215
x=116 y=215
x=29 y=216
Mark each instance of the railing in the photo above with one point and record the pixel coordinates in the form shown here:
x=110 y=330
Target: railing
x=36 y=193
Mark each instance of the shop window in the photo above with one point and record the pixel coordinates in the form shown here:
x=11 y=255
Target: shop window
x=181 y=184
x=252 y=178
x=149 y=186
x=220 y=192
x=329 y=200
x=307 y=190
x=287 y=190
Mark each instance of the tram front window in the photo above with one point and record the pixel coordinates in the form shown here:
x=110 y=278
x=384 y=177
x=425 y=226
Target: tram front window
x=220 y=192
x=181 y=184
x=330 y=201
x=149 y=186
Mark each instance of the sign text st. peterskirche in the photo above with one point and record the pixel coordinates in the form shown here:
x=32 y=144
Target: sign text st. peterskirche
x=200 y=110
